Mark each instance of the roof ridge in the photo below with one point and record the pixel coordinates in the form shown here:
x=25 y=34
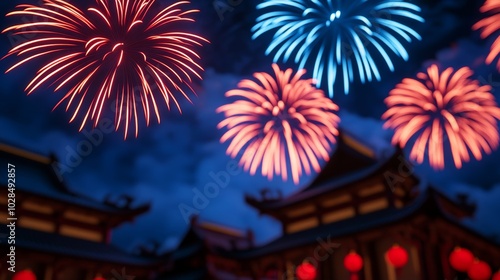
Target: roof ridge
x=25 y=153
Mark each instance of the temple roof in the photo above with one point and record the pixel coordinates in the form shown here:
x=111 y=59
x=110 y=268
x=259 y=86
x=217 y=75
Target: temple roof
x=204 y=238
x=207 y=236
x=56 y=244
x=349 y=157
x=351 y=162
x=430 y=201
x=36 y=176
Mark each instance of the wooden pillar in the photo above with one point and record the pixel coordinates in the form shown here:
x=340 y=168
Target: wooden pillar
x=59 y=265
x=418 y=258
x=431 y=262
x=106 y=234
x=389 y=192
x=444 y=252
x=364 y=251
x=49 y=272
x=254 y=270
x=355 y=202
x=290 y=271
x=58 y=221
x=372 y=253
x=281 y=268
x=89 y=274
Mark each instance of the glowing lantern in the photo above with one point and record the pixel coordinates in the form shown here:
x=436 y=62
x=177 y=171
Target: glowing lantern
x=479 y=270
x=397 y=256
x=353 y=262
x=461 y=259
x=496 y=276
x=306 y=271
x=99 y=278
x=24 y=275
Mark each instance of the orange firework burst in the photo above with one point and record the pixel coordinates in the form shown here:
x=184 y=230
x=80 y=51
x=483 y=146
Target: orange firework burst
x=283 y=124
x=118 y=53
x=441 y=108
x=490 y=25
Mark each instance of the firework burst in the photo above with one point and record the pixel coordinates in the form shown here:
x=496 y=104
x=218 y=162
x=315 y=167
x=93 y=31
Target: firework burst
x=343 y=39
x=490 y=25
x=281 y=124
x=117 y=54
x=447 y=108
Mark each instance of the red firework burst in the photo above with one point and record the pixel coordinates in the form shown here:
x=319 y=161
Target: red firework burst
x=443 y=108
x=279 y=124
x=118 y=53
x=490 y=25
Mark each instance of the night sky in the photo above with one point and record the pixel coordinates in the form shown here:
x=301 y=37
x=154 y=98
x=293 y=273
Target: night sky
x=168 y=160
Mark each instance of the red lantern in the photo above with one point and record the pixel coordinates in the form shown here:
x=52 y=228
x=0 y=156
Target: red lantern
x=306 y=271
x=496 y=276
x=99 y=278
x=461 y=259
x=479 y=270
x=397 y=256
x=24 y=275
x=353 y=262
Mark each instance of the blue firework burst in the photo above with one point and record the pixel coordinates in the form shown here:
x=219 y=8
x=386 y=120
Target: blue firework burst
x=340 y=39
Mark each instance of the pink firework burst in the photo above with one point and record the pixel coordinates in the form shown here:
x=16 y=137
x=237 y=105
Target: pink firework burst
x=490 y=25
x=116 y=55
x=281 y=124
x=447 y=108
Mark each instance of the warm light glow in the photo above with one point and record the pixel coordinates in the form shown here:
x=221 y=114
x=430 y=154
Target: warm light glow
x=443 y=109
x=303 y=224
x=116 y=56
x=339 y=40
x=461 y=259
x=353 y=262
x=281 y=125
x=397 y=256
x=479 y=270
x=373 y=205
x=306 y=271
x=337 y=215
x=490 y=25
x=24 y=275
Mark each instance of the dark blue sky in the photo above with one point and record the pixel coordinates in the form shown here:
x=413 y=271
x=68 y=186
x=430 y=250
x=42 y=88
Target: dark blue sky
x=168 y=160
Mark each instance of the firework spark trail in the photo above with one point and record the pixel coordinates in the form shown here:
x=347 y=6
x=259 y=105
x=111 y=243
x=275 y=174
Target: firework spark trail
x=343 y=39
x=443 y=105
x=101 y=55
x=490 y=25
x=282 y=123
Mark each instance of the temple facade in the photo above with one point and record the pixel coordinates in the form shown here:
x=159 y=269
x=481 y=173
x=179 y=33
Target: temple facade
x=366 y=204
x=61 y=235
